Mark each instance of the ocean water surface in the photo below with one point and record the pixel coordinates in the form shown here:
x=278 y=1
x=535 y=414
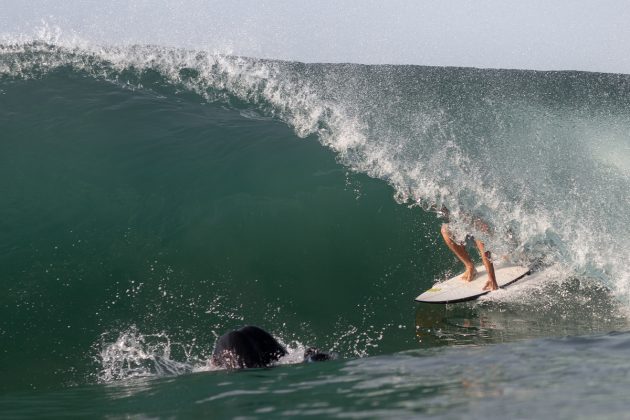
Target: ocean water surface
x=153 y=198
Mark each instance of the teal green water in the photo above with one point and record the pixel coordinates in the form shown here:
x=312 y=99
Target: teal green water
x=189 y=219
x=148 y=206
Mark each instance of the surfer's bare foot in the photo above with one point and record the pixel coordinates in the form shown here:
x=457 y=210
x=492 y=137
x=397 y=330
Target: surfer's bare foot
x=469 y=274
x=490 y=285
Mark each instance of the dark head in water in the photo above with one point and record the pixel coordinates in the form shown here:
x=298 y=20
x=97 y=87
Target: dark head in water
x=248 y=347
x=252 y=347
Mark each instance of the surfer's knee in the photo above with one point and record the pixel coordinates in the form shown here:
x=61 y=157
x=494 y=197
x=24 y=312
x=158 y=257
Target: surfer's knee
x=446 y=233
x=486 y=255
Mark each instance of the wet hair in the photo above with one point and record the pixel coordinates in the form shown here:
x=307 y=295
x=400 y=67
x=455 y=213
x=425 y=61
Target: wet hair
x=247 y=347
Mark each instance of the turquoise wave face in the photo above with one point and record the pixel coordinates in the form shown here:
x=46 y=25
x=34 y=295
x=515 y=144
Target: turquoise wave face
x=128 y=208
x=153 y=199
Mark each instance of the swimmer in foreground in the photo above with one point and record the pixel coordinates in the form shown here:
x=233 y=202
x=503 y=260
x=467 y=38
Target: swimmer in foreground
x=253 y=347
x=459 y=249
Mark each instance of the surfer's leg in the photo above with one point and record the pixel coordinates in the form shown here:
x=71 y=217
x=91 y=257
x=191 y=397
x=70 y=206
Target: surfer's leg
x=460 y=251
x=491 y=284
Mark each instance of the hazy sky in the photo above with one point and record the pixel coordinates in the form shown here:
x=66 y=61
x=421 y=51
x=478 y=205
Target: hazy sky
x=534 y=34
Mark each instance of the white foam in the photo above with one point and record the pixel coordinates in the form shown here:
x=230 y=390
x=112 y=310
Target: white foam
x=136 y=355
x=133 y=354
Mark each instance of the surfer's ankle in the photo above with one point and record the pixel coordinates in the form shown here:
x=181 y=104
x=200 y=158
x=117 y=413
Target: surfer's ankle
x=491 y=286
x=470 y=273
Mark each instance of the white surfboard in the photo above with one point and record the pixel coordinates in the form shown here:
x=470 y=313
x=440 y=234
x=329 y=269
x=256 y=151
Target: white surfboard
x=457 y=290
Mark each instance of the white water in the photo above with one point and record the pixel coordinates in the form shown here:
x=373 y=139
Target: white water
x=132 y=354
